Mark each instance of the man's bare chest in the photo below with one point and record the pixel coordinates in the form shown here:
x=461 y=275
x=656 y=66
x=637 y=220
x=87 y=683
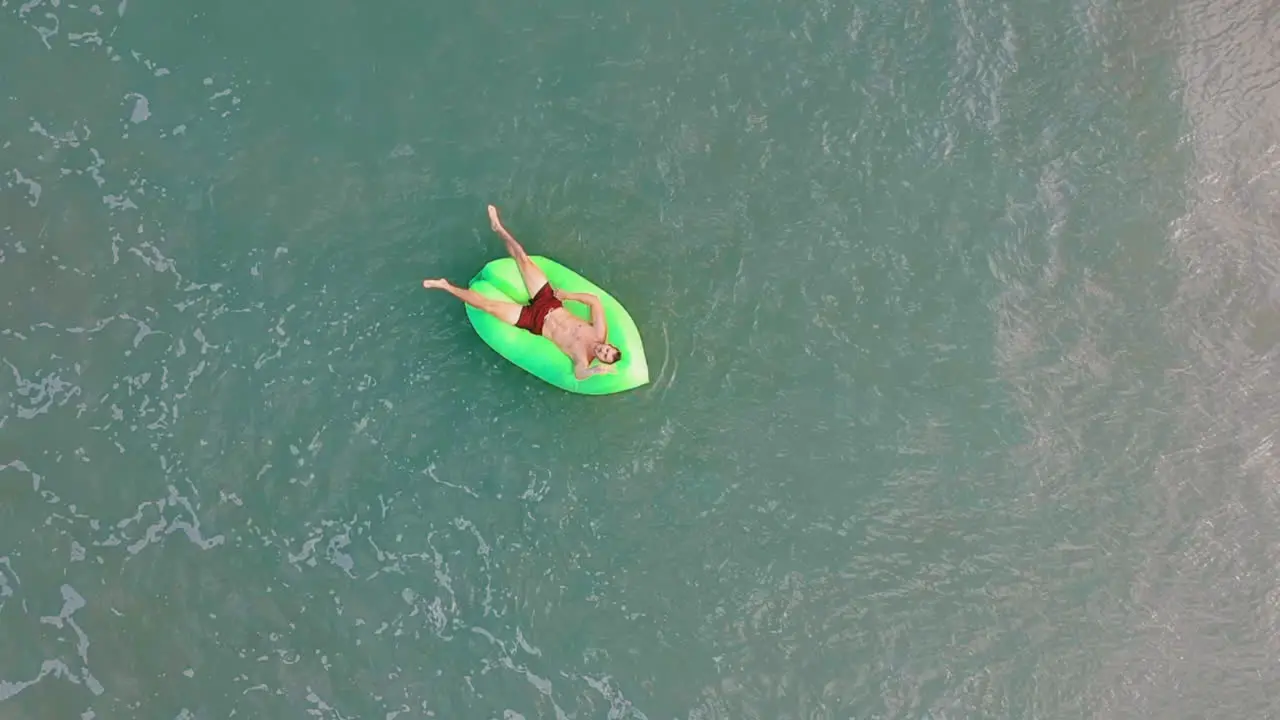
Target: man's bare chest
x=567 y=331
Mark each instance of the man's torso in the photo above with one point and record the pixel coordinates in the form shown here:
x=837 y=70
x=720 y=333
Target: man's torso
x=568 y=332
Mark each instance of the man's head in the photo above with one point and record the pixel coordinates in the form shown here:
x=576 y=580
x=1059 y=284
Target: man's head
x=607 y=354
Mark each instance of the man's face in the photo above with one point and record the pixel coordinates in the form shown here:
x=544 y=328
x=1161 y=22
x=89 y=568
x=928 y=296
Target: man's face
x=607 y=353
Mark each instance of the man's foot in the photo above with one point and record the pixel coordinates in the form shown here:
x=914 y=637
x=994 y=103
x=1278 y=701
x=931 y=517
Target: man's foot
x=494 y=222
x=439 y=283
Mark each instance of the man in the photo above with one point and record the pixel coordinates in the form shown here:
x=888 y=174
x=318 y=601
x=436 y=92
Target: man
x=545 y=315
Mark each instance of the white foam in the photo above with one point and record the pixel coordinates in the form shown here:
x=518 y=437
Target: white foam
x=141 y=108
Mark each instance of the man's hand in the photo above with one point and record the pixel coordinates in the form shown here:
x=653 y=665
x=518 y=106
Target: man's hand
x=584 y=373
x=587 y=299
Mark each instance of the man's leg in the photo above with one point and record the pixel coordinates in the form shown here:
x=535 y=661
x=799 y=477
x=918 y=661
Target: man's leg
x=507 y=312
x=533 y=276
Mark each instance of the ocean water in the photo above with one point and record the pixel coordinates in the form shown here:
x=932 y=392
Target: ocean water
x=962 y=319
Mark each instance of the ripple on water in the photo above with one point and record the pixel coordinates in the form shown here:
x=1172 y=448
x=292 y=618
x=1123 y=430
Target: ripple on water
x=258 y=485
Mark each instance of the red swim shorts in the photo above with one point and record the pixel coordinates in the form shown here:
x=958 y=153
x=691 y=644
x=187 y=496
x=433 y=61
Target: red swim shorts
x=535 y=313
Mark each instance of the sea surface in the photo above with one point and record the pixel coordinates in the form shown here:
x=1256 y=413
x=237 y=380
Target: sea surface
x=963 y=318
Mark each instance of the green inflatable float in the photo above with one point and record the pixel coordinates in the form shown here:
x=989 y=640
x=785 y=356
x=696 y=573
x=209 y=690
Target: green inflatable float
x=500 y=279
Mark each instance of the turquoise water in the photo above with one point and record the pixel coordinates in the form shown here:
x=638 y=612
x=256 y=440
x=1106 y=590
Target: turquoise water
x=962 y=320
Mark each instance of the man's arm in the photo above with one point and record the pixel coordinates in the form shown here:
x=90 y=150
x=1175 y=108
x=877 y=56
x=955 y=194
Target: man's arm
x=582 y=372
x=597 y=311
